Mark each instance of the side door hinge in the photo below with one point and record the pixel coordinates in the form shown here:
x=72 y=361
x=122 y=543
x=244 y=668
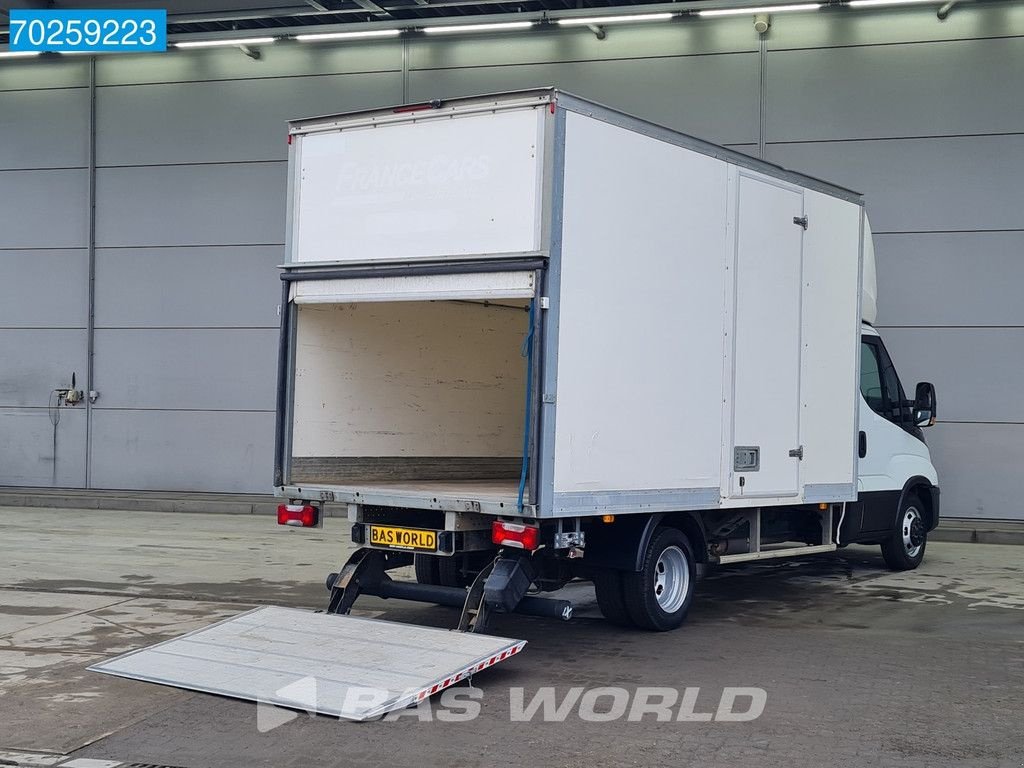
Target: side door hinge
x=797 y=453
x=800 y=221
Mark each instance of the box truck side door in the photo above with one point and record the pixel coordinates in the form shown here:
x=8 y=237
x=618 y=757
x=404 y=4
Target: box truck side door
x=766 y=340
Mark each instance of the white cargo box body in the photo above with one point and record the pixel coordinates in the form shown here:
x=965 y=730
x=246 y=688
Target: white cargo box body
x=694 y=341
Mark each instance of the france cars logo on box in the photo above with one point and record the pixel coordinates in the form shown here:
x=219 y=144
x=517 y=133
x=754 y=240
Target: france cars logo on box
x=88 y=31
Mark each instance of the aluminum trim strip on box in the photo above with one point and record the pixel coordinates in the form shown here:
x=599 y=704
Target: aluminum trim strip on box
x=817 y=492
x=467 y=287
x=625 y=502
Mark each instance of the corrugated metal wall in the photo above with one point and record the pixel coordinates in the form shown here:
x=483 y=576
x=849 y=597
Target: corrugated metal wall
x=924 y=117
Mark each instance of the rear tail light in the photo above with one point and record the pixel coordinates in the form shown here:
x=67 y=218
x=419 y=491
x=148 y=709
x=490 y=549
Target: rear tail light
x=298 y=515
x=515 y=535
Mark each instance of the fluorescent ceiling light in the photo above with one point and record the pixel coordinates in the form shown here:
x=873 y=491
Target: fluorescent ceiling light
x=17 y=54
x=217 y=43
x=760 y=9
x=349 y=35
x=867 y=3
x=587 y=21
x=480 y=27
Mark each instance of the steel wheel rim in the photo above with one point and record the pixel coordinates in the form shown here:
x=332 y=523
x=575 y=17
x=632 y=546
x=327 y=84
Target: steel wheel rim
x=912 y=531
x=671 y=579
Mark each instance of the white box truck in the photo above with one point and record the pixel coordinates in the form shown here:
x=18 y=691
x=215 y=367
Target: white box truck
x=526 y=339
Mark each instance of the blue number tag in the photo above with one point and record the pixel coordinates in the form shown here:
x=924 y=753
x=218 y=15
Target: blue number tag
x=88 y=31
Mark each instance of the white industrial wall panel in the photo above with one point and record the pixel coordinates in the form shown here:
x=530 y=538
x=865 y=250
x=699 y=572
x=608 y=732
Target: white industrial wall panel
x=979 y=467
x=44 y=289
x=956 y=79
x=221 y=204
x=914 y=185
x=26 y=448
x=44 y=72
x=228 y=286
x=713 y=97
x=229 y=369
x=225 y=120
x=43 y=268
x=695 y=37
x=633 y=289
x=276 y=61
x=44 y=209
x=973 y=369
x=35 y=361
x=223 y=451
x=51 y=128
x=950 y=279
x=894 y=25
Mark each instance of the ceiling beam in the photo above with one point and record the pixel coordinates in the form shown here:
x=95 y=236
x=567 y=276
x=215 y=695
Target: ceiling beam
x=372 y=7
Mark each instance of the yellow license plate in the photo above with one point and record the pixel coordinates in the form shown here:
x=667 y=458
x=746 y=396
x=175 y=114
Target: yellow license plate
x=402 y=538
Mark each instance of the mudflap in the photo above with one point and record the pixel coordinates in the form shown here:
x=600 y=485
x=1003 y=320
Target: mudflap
x=508 y=582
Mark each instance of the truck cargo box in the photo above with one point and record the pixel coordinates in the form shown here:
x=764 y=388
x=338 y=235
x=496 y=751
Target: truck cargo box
x=531 y=304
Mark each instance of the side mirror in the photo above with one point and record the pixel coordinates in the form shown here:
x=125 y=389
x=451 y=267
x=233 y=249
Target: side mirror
x=924 y=404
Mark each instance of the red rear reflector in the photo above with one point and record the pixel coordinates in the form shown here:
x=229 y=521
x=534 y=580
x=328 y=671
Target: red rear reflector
x=515 y=535
x=297 y=515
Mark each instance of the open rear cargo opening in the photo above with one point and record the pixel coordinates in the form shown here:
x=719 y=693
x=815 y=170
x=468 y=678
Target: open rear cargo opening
x=411 y=398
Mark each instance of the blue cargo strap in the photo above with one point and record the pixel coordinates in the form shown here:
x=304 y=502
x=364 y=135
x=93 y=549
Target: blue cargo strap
x=527 y=352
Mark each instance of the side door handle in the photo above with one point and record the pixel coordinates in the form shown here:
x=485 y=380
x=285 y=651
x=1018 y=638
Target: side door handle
x=862 y=444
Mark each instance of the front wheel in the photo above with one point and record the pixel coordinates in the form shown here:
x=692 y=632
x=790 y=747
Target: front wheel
x=658 y=596
x=904 y=550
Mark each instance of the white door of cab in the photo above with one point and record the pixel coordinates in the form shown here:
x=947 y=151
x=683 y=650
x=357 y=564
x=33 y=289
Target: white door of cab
x=766 y=341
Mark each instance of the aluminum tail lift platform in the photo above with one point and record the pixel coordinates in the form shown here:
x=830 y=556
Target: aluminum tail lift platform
x=345 y=666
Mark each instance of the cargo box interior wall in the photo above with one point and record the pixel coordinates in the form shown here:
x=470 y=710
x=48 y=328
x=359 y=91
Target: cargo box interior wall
x=410 y=394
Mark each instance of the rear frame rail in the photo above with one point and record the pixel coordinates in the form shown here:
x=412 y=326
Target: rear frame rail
x=365 y=572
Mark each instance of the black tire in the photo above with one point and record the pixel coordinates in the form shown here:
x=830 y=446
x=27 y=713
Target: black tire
x=655 y=600
x=449 y=570
x=610 y=597
x=904 y=550
x=426 y=567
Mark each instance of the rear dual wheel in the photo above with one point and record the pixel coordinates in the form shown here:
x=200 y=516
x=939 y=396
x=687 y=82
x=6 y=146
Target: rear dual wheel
x=658 y=596
x=453 y=571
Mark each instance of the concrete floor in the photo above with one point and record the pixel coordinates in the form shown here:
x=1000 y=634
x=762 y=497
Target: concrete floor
x=861 y=666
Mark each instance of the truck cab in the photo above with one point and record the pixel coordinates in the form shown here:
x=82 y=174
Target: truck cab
x=897 y=485
x=895 y=475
